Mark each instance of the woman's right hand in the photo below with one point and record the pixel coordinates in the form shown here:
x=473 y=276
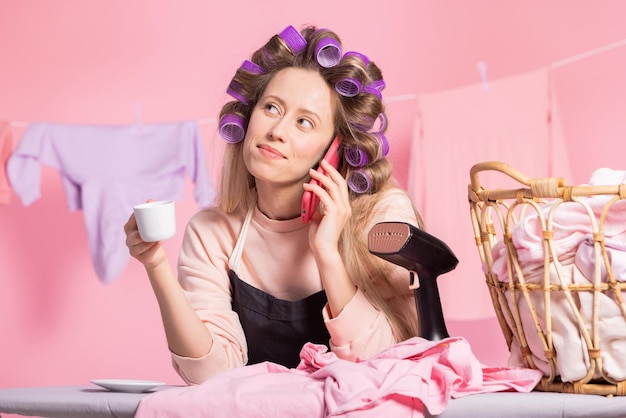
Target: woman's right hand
x=150 y=254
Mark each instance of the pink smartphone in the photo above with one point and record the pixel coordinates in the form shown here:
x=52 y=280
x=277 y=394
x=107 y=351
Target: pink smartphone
x=310 y=199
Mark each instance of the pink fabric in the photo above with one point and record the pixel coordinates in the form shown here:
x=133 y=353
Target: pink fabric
x=6 y=147
x=572 y=359
x=571 y=224
x=575 y=251
x=516 y=122
x=399 y=382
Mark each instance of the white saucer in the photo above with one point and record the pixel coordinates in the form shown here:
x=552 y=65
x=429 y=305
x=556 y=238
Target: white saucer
x=127 y=385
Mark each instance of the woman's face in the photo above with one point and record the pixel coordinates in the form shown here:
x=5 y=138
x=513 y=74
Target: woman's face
x=290 y=128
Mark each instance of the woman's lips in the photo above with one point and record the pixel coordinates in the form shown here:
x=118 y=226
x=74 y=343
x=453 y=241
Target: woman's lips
x=270 y=152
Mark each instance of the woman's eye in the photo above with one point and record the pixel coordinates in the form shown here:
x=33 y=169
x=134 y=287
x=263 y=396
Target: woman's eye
x=271 y=108
x=305 y=123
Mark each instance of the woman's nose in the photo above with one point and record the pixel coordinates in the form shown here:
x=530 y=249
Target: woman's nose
x=278 y=131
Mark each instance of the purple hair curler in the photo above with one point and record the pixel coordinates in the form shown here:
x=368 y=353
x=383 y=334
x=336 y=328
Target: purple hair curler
x=251 y=67
x=384 y=143
x=234 y=89
x=328 y=52
x=365 y=124
x=378 y=84
x=294 y=40
x=371 y=90
x=362 y=57
x=231 y=128
x=355 y=156
x=359 y=181
x=375 y=87
x=383 y=123
x=348 y=87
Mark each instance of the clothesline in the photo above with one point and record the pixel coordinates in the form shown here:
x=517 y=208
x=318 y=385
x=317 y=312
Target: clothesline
x=588 y=54
x=412 y=96
x=482 y=67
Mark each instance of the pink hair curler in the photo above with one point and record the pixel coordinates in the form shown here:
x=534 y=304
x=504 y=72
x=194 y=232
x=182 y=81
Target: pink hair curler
x=359 y=181
x=294 y=40
x=231 y=128
x=328 y=52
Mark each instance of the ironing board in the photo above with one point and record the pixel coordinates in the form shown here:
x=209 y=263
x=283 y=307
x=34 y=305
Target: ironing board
x=70 y=402
x=94 y=402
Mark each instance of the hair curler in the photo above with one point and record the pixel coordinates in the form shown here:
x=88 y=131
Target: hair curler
x=359 y=181
x=423 y=254
x=231 y=128
x=362 y=57
x=348 y=87
x=355 y=156
x=293 y=39
x=328 y=52
x=234 y=89
x=383 y=142
x=251 y=67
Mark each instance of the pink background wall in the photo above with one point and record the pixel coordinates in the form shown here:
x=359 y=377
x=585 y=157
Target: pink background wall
x=72 y=61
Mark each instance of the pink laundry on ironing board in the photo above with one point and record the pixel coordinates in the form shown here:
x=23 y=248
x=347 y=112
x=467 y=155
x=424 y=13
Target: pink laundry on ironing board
x=517 y=122
x=6 y=147
x=403 y=380
x=106 y=170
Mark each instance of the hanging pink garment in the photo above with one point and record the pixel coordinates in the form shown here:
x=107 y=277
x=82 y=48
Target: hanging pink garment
x=6 y=147
x=106 y=170
x=402 y=381
x=517 y=122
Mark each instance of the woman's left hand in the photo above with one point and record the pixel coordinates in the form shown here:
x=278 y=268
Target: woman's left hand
x=333 y=212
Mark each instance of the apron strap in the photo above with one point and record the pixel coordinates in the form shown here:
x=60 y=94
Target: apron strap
x=235 y=257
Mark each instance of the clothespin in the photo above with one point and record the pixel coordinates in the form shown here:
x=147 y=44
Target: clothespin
x=482 y=70
x=137 y=107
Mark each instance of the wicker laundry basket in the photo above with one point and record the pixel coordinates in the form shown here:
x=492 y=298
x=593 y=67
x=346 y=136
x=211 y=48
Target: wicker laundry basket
x=550 y=255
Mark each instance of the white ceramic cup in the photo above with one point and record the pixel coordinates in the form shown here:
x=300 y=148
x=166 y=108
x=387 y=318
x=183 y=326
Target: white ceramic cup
x=156 y=220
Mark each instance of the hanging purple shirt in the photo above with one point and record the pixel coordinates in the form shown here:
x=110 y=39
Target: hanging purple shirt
x=106 y=170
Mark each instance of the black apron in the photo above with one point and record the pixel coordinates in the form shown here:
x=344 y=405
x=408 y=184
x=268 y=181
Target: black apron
x=275 y=329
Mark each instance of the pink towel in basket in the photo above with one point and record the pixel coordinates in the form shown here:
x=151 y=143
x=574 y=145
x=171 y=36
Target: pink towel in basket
x=572 y=358
x=517 y=122
x=575 y=264
x=571 y=224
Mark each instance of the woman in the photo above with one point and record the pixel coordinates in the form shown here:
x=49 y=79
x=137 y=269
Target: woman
x=254 y=282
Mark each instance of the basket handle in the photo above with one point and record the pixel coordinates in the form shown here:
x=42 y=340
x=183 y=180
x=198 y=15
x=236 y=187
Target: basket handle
x=536 y=187
x=496 y=166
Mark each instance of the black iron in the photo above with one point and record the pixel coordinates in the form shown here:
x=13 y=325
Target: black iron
x=423 y=254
